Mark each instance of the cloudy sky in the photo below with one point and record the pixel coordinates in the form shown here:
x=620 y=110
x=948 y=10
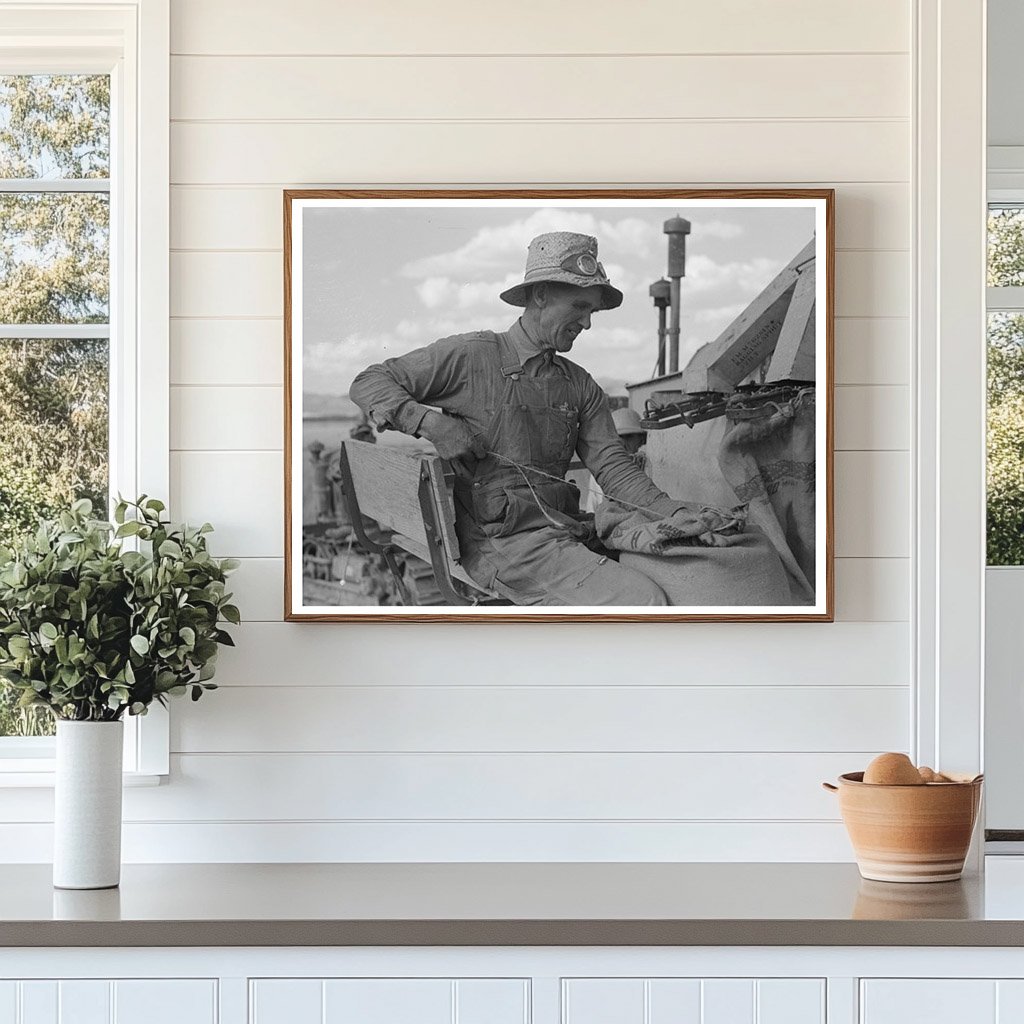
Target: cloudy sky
x=381 y=281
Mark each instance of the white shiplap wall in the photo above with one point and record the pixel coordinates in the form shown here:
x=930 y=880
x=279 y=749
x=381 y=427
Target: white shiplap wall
x=678 y=741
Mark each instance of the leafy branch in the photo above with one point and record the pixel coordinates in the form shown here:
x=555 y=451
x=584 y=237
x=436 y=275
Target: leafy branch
x=91 y=630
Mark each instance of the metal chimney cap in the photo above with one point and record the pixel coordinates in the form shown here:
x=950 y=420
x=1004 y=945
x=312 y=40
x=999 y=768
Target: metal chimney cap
x=677 y=226
x=660 y=289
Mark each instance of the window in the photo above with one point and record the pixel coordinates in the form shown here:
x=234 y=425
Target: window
x=84 y=124
x=1005 y=478
x=54 y=309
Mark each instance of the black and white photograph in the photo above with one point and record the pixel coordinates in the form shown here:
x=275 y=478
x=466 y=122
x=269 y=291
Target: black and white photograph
x=509 y=406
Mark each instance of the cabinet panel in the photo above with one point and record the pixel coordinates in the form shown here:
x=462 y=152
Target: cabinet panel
x=936 y=1001
x=84 y=1002
x=727 y=1001
x=387 y=1001
x=8 y=1002
x=790 y=1001
x=165 y=1002
x=693 y=1001
x=674 y=1001
x=38 y=1002
x=1009 y=1002
x=285 y=1001
x=492 y=1001
x=102 y=1001
x=603 y=1001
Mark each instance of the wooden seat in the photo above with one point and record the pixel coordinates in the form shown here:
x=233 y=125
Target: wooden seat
x=408 y=494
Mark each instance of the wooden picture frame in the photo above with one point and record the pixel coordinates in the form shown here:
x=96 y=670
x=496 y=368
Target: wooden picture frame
x=738 y=411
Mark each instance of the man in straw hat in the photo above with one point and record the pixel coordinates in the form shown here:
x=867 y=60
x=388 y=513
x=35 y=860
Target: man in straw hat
x=513 y=411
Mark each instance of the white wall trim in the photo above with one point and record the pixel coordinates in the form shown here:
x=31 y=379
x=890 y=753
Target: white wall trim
x=949 y=447
x=1006 y=174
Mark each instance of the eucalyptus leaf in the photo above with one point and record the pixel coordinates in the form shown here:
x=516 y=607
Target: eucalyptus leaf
x=74 y=605
x=170 y=549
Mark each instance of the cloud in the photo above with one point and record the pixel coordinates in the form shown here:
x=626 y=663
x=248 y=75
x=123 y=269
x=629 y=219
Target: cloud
x=503 y=247
x=718 y=313
x=438 y=292
x=615 y=355
x=611 y=339
x=725 y=230
x=743 y=277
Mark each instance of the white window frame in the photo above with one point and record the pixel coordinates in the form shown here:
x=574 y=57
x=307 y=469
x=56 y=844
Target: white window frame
x=130 y=41
x=1004 y=715
x=948 y=447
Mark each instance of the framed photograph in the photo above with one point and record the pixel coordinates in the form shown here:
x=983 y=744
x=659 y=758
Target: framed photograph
x=558 y=405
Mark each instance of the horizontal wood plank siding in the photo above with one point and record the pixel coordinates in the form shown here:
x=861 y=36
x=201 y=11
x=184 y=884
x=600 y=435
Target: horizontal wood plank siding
x=349 y=717
x=580 y=654
x=537 y=27
x=160 y=842
x=454 y=742
x=476 y=88
x=569 y=152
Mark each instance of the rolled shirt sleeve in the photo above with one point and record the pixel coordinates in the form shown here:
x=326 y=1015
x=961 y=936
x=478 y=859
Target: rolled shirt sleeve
x=603 y=454
x=399 y=392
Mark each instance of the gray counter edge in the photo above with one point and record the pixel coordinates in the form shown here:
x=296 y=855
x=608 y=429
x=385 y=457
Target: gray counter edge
x=511 y=933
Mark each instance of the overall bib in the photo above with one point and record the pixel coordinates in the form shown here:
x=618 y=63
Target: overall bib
x=521 y=533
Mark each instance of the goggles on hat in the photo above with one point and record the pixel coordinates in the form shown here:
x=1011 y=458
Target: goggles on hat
x=584 y=263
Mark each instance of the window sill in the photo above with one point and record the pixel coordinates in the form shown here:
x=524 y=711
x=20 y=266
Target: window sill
x=44 y=779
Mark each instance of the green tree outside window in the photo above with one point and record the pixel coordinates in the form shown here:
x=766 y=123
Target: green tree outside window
x=1005 y=482
x=54 y=271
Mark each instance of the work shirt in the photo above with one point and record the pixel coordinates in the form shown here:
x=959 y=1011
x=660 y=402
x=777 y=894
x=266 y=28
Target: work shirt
x=462 y=376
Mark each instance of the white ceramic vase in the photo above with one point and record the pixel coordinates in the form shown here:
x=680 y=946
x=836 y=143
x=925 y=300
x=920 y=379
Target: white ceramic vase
x=87 y=805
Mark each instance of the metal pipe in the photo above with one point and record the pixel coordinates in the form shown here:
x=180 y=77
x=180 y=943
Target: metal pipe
x=661 y=340
x=677 y=228
x=660 y=292
x=673 y=330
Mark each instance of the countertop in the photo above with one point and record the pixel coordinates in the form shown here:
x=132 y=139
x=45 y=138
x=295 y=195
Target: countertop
x=516 y=904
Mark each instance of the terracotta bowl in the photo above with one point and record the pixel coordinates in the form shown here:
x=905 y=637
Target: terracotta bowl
x=909 y=833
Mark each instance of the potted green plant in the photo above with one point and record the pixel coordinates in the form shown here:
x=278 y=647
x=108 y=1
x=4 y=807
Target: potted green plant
x=92 y=630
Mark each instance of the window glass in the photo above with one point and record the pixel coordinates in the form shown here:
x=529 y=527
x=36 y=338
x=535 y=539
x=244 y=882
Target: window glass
x=54 y=126
x=1005 y=246
x=54 y=257
x=54 y=274
x=1005 y=439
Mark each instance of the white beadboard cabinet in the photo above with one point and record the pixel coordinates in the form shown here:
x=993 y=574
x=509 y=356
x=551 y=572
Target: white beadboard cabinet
x=942 y=1001
x=389 y=1001
x=513 y=985
x=693 y=1001
x=108 y=1001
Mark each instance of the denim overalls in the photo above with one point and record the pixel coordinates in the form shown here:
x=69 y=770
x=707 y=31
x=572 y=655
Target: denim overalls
x=522 y=533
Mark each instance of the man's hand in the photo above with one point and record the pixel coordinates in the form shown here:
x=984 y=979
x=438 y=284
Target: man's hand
x=451 y=436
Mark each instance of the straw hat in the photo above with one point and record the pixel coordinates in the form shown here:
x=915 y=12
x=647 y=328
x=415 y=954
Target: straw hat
x=566 y=257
